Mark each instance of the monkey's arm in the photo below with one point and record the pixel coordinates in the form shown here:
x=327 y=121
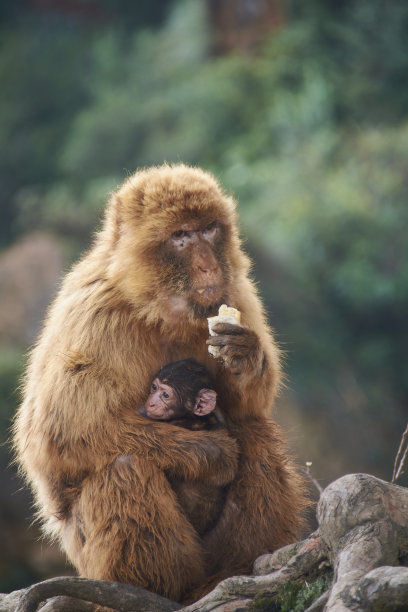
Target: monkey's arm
x=250 y=369
x=249 y=380
x=210 y=456
x=190 y=455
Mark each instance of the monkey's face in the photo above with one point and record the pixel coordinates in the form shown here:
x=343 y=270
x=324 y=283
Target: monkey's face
x=193 y=257
x=163 y=403
x=174 y=247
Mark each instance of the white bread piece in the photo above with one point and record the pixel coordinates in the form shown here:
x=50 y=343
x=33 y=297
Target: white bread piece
x=226 y=314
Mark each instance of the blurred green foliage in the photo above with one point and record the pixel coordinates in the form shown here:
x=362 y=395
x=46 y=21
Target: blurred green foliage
x=310 y=134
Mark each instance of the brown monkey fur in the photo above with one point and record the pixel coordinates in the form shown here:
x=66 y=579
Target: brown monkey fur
x=121 y=311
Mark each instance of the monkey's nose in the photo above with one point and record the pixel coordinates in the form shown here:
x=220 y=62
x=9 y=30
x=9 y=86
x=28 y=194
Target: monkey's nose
x=207 y=270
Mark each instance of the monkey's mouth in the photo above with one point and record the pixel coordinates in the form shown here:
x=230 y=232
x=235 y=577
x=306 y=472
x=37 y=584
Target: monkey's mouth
x=158 y=414
x=207 y=295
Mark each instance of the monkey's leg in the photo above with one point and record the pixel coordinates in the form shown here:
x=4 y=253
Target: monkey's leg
x=127 y=526
x=264 y=504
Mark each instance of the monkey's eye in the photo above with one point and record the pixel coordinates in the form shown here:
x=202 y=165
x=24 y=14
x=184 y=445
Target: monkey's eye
x=166 y=395
x=210 y=230
x=179 y=234
x=154 y=387
x=181 y=238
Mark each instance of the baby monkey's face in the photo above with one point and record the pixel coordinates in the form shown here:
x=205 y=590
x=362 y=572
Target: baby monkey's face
x=163 y=403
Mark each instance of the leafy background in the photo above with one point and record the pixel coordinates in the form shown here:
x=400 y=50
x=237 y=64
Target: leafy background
x=308 y=129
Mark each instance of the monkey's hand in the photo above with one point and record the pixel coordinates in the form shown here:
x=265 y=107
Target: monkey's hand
x=240 y=349
x=217 y=454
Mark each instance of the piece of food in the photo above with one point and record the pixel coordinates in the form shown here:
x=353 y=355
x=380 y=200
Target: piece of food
x=226 y=314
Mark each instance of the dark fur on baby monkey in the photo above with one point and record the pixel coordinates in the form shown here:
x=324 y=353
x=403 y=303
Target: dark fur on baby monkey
x=183 y=393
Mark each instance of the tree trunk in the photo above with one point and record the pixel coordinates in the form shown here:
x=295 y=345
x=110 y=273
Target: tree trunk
x=355 y=561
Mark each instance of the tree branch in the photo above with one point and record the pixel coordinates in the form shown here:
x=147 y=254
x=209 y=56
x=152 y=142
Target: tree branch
x=307 y=470
x=362 y=538
x=123 y=597
x=401 y=457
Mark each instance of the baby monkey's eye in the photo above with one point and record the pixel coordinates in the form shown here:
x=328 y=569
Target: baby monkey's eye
x=166 y=395
x=154 y=387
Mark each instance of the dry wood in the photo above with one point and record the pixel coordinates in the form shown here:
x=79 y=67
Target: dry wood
x=401 y=458
x=362 y=535
x=363 y=524
x=308 y=472
x=111 y=594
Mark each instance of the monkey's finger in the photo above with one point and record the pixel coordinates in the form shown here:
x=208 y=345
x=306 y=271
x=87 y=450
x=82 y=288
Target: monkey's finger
x=229 y=340
x=233 y=364
x=229 y=328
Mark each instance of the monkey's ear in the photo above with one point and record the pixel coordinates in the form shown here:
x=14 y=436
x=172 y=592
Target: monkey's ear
x=206 y=401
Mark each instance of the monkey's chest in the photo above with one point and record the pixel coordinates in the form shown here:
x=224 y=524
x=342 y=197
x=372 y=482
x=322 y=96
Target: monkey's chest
x=197 y=349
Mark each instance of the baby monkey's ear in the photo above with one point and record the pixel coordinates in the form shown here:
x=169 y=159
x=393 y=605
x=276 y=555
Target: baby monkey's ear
x=206 y=401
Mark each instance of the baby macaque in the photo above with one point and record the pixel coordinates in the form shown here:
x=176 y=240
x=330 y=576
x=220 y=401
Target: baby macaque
x=183 y=394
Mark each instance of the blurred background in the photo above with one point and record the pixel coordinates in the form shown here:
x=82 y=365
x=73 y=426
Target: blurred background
x=301 y=111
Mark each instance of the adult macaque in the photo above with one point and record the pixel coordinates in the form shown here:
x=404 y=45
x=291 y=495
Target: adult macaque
x=167 y=257
x=182 y=393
